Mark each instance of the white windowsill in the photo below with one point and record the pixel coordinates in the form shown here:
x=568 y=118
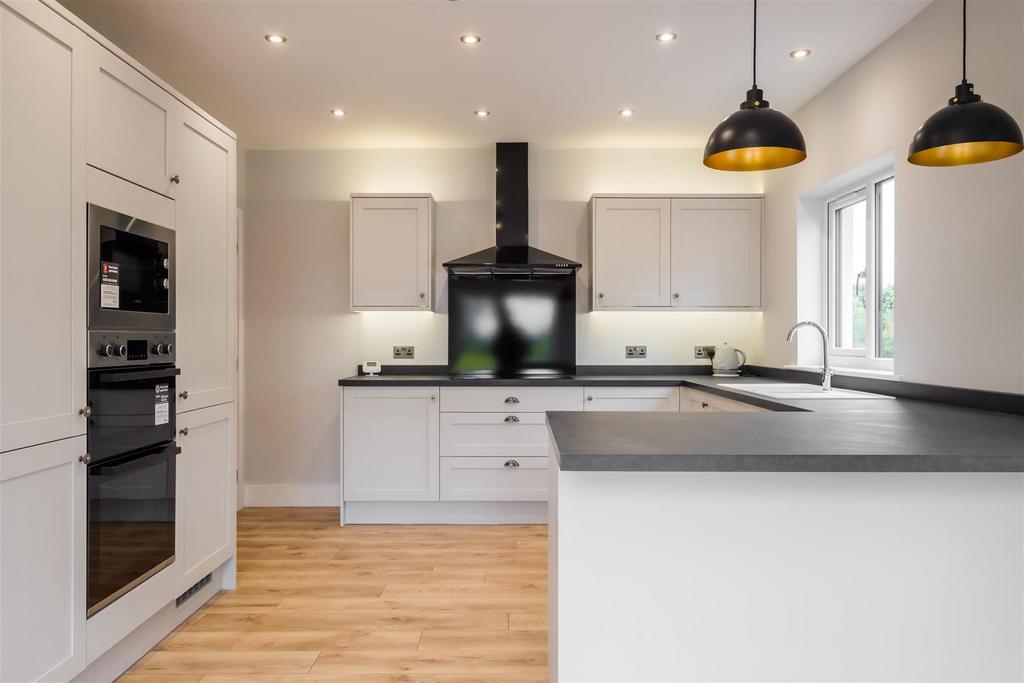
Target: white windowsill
x=852 y=372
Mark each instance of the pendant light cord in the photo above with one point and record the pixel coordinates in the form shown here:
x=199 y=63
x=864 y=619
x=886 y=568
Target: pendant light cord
x=756 y=43
x=964 y=40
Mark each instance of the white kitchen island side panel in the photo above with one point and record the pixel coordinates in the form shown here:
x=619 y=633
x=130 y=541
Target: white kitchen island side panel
x=717 y=576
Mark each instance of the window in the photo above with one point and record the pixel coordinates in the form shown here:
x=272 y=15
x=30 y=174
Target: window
x=861 y=273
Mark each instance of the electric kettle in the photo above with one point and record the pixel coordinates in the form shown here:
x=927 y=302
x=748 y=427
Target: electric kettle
x=727 y=361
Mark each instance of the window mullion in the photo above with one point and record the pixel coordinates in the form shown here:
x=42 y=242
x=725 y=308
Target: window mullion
x=871 y=262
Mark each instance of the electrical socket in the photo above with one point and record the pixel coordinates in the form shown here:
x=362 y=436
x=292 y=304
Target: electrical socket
x=636 y=352
x=403 y=352
x=703 y=351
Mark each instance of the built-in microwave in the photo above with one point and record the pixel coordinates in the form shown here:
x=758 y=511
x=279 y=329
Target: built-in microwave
x=131 y=272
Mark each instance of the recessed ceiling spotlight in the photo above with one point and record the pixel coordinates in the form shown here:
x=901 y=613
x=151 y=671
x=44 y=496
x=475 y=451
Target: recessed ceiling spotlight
x=665 y=37
x=625 y=113
x=469 y=39
x=337 y=112
x=482 y=113
x=800 y=54
x=275 y=38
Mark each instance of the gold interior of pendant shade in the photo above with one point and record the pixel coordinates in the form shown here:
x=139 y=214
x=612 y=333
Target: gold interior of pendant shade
x=755 y=158
x=964 y=153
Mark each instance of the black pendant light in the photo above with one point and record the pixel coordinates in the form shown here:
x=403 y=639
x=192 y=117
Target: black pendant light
x=756 y=138
x=967 y=130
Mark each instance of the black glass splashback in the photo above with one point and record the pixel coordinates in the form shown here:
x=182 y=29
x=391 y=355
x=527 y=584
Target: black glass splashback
x=512 y=326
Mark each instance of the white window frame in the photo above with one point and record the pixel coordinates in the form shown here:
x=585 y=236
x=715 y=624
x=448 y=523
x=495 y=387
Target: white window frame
x=866 y=190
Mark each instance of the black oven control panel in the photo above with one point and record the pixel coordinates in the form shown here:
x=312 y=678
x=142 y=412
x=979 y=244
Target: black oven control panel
x=111 y=348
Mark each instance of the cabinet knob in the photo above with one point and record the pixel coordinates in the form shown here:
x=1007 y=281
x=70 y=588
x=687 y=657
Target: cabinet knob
x=86 y=411
x=183 y=395
x=511 y=399
x=511 y=463
x=600 y=295
x=511 y=419
x=703 y=404
x=175 y=179
x=590 y=398
x=433 y=397
x=183 y=431
x=85 y=459
x=422 y=295
x=675 y=295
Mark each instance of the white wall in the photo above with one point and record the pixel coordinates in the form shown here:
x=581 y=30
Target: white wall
x=300 y=337
x=960 y=231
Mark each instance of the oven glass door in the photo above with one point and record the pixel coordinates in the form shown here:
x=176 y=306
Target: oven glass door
x=131 y=278
x=132 y=408
x=130 y=522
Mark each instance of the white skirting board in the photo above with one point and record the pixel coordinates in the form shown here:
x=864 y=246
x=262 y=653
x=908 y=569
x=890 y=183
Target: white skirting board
x=118 y=658
x=446 y=512
x=291 y=495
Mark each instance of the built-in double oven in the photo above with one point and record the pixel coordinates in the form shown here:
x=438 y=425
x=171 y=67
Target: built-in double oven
x=131 y=410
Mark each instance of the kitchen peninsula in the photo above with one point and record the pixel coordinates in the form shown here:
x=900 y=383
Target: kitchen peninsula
x=838 y=540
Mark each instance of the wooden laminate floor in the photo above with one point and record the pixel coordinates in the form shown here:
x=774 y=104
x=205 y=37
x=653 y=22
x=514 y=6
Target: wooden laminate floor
x=317 y=603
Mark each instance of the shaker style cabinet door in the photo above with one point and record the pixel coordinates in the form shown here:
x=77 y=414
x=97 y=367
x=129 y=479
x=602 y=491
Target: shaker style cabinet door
x=132 y=123
x=42 y=567
x=630 y=252
x=391 y=252
x=207 y=265
x=42 y=226
x=716 y=253
x=390 y=443
x=205 y=525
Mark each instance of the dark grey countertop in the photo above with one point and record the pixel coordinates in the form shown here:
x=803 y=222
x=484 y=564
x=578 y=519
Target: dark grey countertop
x=574 y=381
x=834 y=435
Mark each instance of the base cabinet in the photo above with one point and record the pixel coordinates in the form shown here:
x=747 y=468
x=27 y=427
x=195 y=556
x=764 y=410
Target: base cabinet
x=205 y=524
x=628 y=399
x=390 y=443
x=42 y=566
x=696 y=401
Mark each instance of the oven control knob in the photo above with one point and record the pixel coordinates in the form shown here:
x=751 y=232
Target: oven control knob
x=159 y=349
x=108 y=350
x=122 y=351
x=169 y=348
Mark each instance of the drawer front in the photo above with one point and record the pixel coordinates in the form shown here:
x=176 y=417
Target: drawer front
x=694 y=400
x=654 y=399
x=499 y=479
x=506 y=399
x=493 y=434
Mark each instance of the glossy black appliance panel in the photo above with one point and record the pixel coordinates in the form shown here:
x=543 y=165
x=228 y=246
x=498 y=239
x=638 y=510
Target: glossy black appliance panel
x=512 y=325
x=130 y=521
x=131 y=272
x=131 y=408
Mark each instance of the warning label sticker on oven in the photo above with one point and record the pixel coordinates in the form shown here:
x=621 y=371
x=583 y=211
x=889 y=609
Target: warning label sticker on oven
x=162 y=408
x=110 y=285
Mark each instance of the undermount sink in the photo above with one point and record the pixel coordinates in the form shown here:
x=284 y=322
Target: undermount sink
x=799 y=391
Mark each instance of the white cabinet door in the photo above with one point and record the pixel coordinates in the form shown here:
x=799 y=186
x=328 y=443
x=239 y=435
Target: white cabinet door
x=207 y=262
x=205 y=492
x=390 y=449
x=716 y=253
x=654 y=399
x=42 y=226
x=42 y=566
x=693 y=400
x=391 y=252
x=132 y=123
x=631 y=252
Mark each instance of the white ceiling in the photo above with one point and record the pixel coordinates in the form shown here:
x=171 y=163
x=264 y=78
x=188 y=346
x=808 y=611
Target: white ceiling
x=554 y=73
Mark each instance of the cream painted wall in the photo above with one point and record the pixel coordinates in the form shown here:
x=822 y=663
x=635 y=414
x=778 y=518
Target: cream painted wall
x=960 y=231
x=300 y=337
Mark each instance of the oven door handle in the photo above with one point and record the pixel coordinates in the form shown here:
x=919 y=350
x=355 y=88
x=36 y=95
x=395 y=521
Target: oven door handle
x=120 y=461
x=118 y=377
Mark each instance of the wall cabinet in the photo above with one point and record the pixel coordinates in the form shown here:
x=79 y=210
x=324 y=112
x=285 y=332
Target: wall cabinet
x=206 y=238
x=42 y=226
x=631 y=255
x=42 y=566
x=390 y=443
x=206 y=477
x=132 y=123
x=392 y=252
x=656 y=399
x=676 y=253
x=716 y=253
